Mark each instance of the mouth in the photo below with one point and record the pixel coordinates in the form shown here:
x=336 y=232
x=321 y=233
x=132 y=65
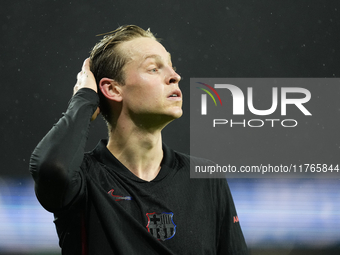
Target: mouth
x=176 y=94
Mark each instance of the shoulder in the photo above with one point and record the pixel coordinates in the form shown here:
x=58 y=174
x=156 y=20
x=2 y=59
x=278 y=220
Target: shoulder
x=91 y=165
x=98 y=157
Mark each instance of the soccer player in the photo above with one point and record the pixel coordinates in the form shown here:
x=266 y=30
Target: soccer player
x=132 y=194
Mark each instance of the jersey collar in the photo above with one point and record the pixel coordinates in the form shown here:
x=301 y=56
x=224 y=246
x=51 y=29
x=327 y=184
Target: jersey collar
x=104 y=156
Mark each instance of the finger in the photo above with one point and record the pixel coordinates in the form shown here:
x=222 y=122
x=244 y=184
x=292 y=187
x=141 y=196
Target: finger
x=95 y=114
x=86 y=65
x=85 y=78
x=78 y=75
x=75 y=89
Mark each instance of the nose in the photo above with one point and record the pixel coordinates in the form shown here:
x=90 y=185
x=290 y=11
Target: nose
x=173 y=77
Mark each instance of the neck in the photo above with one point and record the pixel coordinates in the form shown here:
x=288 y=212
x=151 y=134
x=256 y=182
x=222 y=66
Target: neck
x=138 y=149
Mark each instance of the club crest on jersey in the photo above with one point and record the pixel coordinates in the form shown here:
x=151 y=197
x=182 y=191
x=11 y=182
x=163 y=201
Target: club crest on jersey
x=161 y=225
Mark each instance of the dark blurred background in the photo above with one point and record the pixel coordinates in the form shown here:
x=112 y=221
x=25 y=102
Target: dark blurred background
x=43 y=45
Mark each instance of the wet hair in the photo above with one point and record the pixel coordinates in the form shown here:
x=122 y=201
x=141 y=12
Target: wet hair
x=107 y=60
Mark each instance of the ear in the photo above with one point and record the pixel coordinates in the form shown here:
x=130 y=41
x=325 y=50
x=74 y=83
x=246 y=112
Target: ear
x=110 y=89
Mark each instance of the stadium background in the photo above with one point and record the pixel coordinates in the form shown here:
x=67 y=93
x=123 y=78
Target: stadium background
x=43 y=45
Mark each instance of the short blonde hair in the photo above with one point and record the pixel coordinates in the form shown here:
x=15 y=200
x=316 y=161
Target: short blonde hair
x=107 y=61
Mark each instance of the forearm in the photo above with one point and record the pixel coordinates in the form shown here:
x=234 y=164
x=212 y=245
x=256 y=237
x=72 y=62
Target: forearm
x=55 y=162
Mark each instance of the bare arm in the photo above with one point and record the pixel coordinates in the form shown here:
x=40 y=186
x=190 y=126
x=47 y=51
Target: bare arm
x=56 y=161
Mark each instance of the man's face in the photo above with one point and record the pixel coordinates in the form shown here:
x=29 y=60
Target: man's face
x=151 y=84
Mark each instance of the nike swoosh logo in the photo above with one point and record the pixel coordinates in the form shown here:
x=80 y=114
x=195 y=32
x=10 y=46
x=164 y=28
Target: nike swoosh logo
x=119 y=198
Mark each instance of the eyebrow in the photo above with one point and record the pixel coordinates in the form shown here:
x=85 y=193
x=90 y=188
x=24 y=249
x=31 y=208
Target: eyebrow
x=155 y=56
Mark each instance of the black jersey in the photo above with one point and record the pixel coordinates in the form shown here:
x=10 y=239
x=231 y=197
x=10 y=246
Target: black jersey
x=101 y=207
